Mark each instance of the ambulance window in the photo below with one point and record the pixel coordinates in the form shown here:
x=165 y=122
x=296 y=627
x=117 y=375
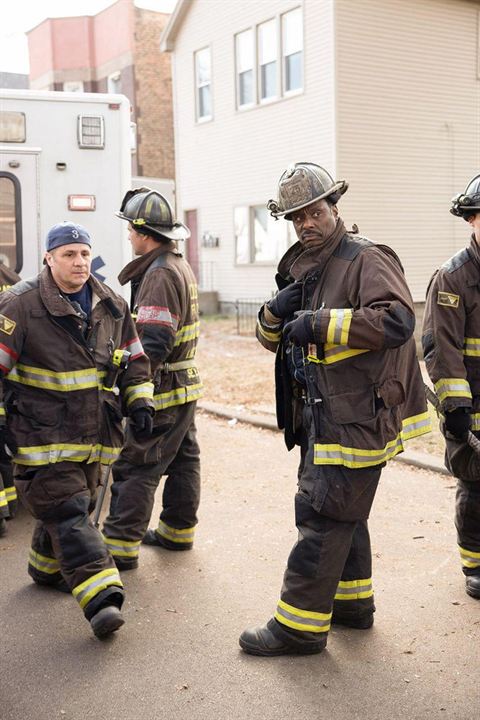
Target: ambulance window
x=12 y=127
x=10 y=222
x=91 y=131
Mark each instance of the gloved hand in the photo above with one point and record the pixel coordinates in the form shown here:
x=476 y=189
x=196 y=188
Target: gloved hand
x=457 y=423
x=286 y=301
x=142 y=423
x=8 y=446
x=300 y=330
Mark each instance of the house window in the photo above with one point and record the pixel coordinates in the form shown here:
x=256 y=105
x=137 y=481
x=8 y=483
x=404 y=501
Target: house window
x=203 y=83
x=292 y=51
x=259 y=238
x=244 y=49
x=73 y=86
x=267 y=59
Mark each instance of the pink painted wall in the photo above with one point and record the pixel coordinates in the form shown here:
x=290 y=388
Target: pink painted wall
x=72 y=48
x=40 y=49
x=113 y=31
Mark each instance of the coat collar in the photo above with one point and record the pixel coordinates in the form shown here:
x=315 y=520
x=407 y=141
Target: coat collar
x=298 y=261
x=137 y=267
x=58 y=305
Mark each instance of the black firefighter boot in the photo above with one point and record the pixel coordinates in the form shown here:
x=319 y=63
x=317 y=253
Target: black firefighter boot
x=272 y=639
x=106 y=621
x=472 y=586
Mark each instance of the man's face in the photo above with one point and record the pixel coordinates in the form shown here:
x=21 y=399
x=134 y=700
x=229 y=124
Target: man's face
x=475 y=223
x=315 y=223
x=70 y=266
x=139 y=242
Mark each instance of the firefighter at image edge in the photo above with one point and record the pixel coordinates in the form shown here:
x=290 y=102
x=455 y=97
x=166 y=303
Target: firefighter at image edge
x=59 y=333
x=8 y=494
x=164 y=302
x=451 y=345
x=349 y=392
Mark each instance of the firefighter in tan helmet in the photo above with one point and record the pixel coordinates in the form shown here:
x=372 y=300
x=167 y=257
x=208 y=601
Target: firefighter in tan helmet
x=349 y=394
x=164 y=301
x=451 y=345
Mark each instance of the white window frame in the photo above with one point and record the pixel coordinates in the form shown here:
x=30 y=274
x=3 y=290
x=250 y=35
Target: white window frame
x=246 y=106
x=252 y=262
x=277 y=61
x=202 y=118
x=295 y=91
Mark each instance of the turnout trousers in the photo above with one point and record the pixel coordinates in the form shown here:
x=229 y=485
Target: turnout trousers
x=464 y=463
x=8 y=493
x=65 y=544
x=173 y=451
x=329 y=570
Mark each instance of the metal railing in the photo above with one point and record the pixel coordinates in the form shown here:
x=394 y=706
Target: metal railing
x=246 y=312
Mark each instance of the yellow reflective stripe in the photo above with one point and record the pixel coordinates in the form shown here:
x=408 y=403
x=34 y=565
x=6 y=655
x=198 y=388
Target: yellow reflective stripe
x=469 y=558
x=11 y=493
x=47 y=565
x=334 y=353
x=416 y=425
x=339 y=326
x=60 y=381
x=354 y=589
x=179 y=396
x=185 y=535
x=335 y=454
x=452 y=387
x=273 y=336
x=58 y=452
x=135 y=392
x=87 y=590
x=471 y=347
x=332 y=324
x=304 y=620
x=2 y=410
x=3 y=499
x=475 y=417
x=187 y=333
x=123 y=548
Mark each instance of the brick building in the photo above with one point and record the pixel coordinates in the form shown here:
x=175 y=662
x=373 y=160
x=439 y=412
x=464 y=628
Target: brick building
x=116 y=50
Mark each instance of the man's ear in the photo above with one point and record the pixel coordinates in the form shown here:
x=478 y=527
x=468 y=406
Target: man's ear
x=48 y=259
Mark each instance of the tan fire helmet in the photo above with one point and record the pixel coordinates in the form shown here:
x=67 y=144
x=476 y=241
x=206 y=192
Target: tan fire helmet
x=300 y=185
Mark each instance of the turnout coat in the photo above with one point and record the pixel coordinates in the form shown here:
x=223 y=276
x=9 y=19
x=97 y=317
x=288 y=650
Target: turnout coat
x=53 y=370
x=361 y=376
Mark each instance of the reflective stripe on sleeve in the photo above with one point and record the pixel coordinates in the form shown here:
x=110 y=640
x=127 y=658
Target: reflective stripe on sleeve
x=135 y=347
x=123 y=548
x=339 y=325
x=135 y=392
x=45 y=564
x=59 y=381
x=469 y=558
x=304 y=620
x=58 y=452
x=8 y=358
x=273 y=336
x=3 y=499
x=471 y=347
x=2 y=410
x=475 y=418
x=87 y=590
x=179 y=396
x=156 y=315
x=185 y=535
x=354 y=589
x=11 y=493
x=187 y=333
x=452 y=387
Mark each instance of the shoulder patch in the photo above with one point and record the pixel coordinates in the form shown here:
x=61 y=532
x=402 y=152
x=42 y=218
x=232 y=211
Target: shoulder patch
x=457 y=261
x=448 y=299
x=7 y=326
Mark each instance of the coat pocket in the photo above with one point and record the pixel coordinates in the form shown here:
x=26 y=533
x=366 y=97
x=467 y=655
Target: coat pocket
x=353 y=407
x=392 y=392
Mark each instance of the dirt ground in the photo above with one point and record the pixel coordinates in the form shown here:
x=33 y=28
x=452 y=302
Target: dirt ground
x=237 y=371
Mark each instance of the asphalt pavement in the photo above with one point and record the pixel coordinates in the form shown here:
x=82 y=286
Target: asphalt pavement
x=178 y=656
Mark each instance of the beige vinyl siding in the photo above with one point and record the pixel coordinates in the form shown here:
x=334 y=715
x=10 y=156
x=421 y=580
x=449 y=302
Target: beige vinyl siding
x=408 y=123
x=237 y=158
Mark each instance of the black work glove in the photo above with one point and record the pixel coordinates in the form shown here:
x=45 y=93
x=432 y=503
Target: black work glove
x=457 y=423
x=286 y=301
x=142 y=423
x=300 y=330
x=8 y=446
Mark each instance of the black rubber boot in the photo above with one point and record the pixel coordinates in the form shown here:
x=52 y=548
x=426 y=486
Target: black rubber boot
x=151 y=537
x=472 y=586
x=271 y=639
x=106 y=621
x=362 y=622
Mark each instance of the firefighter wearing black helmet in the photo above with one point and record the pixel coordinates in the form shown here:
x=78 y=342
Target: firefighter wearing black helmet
x=349 y=393
x=164 y=301
x=451 y=344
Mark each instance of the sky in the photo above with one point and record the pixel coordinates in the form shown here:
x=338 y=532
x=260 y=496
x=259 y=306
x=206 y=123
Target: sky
x=18 y=16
